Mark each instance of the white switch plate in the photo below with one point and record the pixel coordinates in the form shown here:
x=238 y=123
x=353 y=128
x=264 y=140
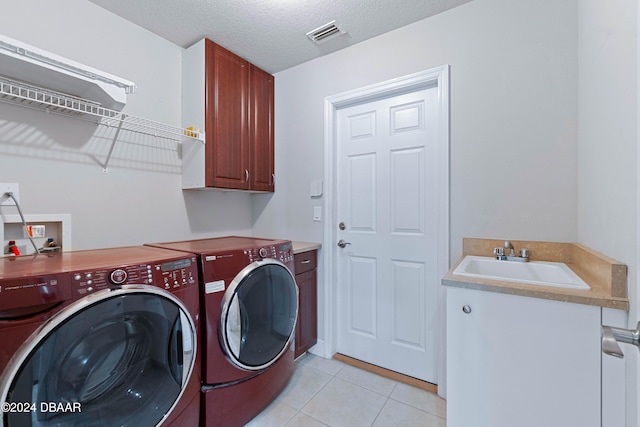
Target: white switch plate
x=9 y=188
x=317 y=213
x=315 y=189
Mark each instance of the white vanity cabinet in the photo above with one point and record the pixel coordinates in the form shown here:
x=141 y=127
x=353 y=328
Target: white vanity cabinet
x=515 y=361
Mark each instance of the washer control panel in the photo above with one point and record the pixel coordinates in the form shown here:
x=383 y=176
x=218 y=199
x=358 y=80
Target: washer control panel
x=171 y=274
x=32 y=292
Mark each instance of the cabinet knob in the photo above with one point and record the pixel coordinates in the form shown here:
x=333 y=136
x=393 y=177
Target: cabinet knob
x=246 y=175
x=466 y=309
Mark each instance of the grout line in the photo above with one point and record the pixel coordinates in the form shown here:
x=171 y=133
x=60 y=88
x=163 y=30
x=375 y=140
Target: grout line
x=380 y=411
x=305 y=362
x=332 y=376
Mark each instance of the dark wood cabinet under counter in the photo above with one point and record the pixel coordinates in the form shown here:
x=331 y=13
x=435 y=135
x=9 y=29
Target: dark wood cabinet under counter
x=306 y=278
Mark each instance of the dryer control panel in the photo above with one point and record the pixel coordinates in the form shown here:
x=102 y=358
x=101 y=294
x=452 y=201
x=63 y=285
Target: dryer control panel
x=282 y=252
x=169 y=275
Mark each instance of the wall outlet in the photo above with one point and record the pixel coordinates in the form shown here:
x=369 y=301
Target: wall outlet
x=8 y=188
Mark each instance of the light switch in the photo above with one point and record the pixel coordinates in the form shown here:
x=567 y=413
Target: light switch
x=317 y=213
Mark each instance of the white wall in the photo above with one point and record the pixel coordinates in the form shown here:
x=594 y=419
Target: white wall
x=517 y=170
x=56 y=160
x=513 y=119
x=607 y=153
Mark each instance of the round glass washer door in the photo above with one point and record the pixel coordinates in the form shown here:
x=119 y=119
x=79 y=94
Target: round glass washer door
x=258 y=316
x=117 y=358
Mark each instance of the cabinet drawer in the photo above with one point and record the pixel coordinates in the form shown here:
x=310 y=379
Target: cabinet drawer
x=304 y=261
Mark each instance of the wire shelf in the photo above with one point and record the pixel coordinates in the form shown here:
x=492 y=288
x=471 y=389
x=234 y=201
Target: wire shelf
x=26 y=95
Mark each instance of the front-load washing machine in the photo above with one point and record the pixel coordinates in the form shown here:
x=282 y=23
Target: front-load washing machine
x=249 y=303
x=99 y=338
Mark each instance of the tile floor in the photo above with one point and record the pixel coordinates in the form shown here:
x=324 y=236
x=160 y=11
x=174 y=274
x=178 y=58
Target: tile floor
x=330 y=393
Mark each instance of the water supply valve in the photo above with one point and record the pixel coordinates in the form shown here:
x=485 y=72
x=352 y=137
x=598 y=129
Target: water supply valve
x=13 y=248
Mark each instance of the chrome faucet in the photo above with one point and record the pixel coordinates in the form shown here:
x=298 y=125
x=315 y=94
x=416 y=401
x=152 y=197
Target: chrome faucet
x=509 y=246
x=508 y=253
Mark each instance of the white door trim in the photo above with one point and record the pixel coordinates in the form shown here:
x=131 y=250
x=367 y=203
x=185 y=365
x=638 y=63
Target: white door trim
x=439 y=77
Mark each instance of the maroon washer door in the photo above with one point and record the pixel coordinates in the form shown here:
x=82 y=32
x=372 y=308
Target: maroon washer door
x=117 y=357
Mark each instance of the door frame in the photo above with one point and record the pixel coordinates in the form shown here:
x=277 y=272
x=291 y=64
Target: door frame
x=435 y=77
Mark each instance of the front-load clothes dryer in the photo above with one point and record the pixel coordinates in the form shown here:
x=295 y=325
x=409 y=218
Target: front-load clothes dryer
x=99 y=338
x=249 y=303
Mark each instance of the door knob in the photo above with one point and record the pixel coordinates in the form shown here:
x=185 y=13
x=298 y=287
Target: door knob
x=343 y=244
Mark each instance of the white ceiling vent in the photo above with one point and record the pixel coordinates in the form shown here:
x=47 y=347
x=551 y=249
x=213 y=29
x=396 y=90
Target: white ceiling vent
x=324 y=32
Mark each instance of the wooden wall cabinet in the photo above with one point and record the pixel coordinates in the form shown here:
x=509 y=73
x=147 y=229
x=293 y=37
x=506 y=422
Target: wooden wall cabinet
x=307 y=323
x=237 y=105
x=261 y=143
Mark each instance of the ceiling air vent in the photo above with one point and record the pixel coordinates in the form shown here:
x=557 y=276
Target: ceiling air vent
x=324 y=32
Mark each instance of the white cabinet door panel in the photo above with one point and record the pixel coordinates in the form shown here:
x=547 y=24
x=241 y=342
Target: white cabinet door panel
x=514 y=361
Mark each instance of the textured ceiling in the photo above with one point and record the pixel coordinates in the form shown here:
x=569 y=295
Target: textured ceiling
x=272 y=33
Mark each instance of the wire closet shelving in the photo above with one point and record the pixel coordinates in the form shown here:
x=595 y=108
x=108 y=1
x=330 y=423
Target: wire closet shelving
x=23 y=94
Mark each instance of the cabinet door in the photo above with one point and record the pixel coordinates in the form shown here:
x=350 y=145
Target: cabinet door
x=226 y=119
x=307 y=324
x=261 y=130
x=518 y=361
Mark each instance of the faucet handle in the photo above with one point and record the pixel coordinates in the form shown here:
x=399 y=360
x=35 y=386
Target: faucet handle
x=508 y=246
x=498 y=251
x=524 y=253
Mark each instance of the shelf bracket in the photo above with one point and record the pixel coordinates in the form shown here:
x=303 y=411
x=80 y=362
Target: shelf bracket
x=105 y=167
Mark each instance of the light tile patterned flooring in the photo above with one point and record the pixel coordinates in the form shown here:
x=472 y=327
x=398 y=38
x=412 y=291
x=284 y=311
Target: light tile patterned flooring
x=331 y=393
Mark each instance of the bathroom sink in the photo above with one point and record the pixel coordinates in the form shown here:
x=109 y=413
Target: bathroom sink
x=544 y=273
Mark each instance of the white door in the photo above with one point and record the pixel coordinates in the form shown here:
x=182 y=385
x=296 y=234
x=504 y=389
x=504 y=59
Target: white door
x=387 y=210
